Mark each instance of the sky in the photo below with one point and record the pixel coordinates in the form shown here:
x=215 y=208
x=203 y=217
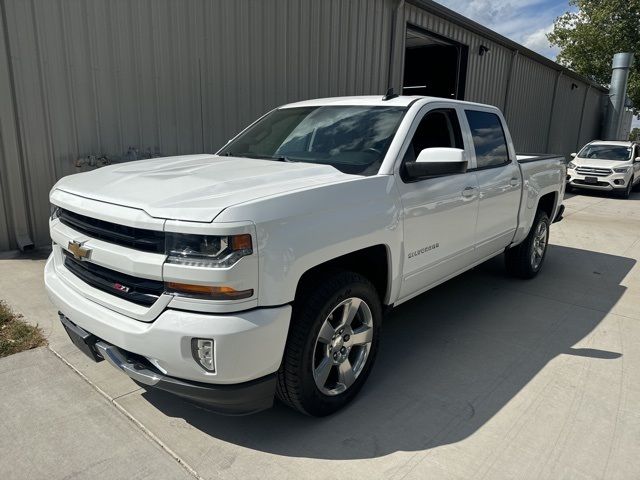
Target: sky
x=524 y=21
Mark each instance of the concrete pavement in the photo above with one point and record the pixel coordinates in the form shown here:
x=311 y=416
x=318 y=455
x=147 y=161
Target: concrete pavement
x=54 y=425
x=483 y=377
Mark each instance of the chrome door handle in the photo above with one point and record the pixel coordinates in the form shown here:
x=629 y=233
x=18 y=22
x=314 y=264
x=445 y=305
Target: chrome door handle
x=514 y=182
x=469 y=192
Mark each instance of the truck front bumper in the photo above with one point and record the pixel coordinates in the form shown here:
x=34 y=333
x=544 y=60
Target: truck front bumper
x=236 y=399
x=248 y=347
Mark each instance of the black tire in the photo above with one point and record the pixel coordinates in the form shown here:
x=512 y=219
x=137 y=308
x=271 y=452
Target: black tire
x=518 y=260
x=296 y=386
x=626 y=193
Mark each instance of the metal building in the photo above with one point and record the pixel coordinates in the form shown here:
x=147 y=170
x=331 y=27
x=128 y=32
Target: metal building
x=82 y=77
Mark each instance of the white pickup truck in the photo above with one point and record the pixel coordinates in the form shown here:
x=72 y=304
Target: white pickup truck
x=264 y=270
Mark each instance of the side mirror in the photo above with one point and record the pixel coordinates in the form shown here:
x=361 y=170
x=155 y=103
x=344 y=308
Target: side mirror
x=436 y=162
x=573 y=155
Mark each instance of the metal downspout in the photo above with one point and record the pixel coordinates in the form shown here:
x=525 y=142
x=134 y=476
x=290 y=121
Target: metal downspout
x=617 y=94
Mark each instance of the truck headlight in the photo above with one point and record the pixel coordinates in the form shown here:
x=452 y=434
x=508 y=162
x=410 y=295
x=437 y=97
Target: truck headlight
x=54 y=211
x=571 y=166
x=207 y=250
x=621 y=169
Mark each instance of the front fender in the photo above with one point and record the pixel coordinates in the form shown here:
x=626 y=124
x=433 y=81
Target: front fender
x=300 y=230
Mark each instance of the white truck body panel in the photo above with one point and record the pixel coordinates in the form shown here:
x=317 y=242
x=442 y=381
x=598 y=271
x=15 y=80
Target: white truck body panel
x=299 y=215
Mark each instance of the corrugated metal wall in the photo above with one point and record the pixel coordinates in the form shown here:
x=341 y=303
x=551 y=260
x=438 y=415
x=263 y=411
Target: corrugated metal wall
x=530 y=104
x=565 y=123
x=592 y=117
x=543 y=117
x=182 y=76
x=487 y=76
x=174 y=76
x=625 y=124
x=5 y=240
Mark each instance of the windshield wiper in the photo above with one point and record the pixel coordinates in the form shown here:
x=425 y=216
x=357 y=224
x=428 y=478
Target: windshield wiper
x=277 y=158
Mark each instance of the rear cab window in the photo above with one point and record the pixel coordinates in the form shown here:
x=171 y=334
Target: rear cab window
x=489 y=141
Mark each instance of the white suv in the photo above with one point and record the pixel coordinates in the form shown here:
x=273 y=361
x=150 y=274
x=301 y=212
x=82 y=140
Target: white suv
x=605 y=165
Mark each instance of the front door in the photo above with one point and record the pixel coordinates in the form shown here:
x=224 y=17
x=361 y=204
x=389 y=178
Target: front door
x=439 y=213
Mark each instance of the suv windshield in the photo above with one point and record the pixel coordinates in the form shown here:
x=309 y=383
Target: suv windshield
x=353 y=139
x=606 y=152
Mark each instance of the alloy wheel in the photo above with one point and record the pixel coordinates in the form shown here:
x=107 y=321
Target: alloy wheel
x=539 y=245
x=342 y=346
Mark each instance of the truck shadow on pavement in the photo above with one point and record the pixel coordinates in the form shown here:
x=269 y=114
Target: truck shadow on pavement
x=449 y=361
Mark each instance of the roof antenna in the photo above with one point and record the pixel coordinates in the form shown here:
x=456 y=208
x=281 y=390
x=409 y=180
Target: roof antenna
x=389 y=95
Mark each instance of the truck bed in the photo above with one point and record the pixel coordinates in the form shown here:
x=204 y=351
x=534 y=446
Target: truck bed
x=541 y=174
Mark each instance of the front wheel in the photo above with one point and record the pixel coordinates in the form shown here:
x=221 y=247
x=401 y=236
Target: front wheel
x=332 y=344
x=626 y=193
x=525 y=260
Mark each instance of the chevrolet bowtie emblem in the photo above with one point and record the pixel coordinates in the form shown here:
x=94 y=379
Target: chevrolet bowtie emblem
x=79 y=252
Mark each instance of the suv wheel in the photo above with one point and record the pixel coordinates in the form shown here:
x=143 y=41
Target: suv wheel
x=332 y=344
x=525 y=260
x=627 y=191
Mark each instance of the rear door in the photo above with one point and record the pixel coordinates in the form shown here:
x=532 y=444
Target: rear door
x=439 y=213
x=499 y=181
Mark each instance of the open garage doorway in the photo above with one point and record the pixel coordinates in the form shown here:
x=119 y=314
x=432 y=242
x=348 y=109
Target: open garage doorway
x=433 y=65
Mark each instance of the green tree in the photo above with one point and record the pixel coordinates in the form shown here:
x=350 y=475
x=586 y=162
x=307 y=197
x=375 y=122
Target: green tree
x=634 y=136
x=589 y=37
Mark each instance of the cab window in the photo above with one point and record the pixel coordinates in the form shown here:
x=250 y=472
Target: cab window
x=438 y=128
x=489 y=140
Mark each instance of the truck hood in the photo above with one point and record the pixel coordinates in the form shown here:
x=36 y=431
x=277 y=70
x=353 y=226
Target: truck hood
x=195 y=187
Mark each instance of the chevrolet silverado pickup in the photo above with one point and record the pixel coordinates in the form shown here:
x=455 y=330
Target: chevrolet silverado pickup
x=264 y=270
x=605 y=165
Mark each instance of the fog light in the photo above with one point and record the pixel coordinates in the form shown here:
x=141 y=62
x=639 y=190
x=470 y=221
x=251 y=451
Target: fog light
x=619 y=181
x=202 y=351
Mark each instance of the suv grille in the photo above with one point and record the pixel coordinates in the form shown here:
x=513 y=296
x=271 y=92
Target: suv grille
x=138 y=238
x=137 y=290
x=596 y=172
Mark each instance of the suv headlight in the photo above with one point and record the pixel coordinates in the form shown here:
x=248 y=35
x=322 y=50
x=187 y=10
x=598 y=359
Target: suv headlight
x=621 y=169
x=207 y=250
x=571 y=166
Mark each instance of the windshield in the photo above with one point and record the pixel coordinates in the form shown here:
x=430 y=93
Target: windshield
x=353 y=139
x=606 y=152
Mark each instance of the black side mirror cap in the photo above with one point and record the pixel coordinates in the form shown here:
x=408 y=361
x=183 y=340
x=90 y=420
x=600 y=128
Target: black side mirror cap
x=422 y=170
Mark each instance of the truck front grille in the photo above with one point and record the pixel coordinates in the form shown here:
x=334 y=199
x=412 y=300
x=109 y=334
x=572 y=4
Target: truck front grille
x=137 y=290
x=594 y=171
x=137 y=238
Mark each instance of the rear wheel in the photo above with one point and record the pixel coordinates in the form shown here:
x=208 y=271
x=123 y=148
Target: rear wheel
x=525 y=260
x=332 y=344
